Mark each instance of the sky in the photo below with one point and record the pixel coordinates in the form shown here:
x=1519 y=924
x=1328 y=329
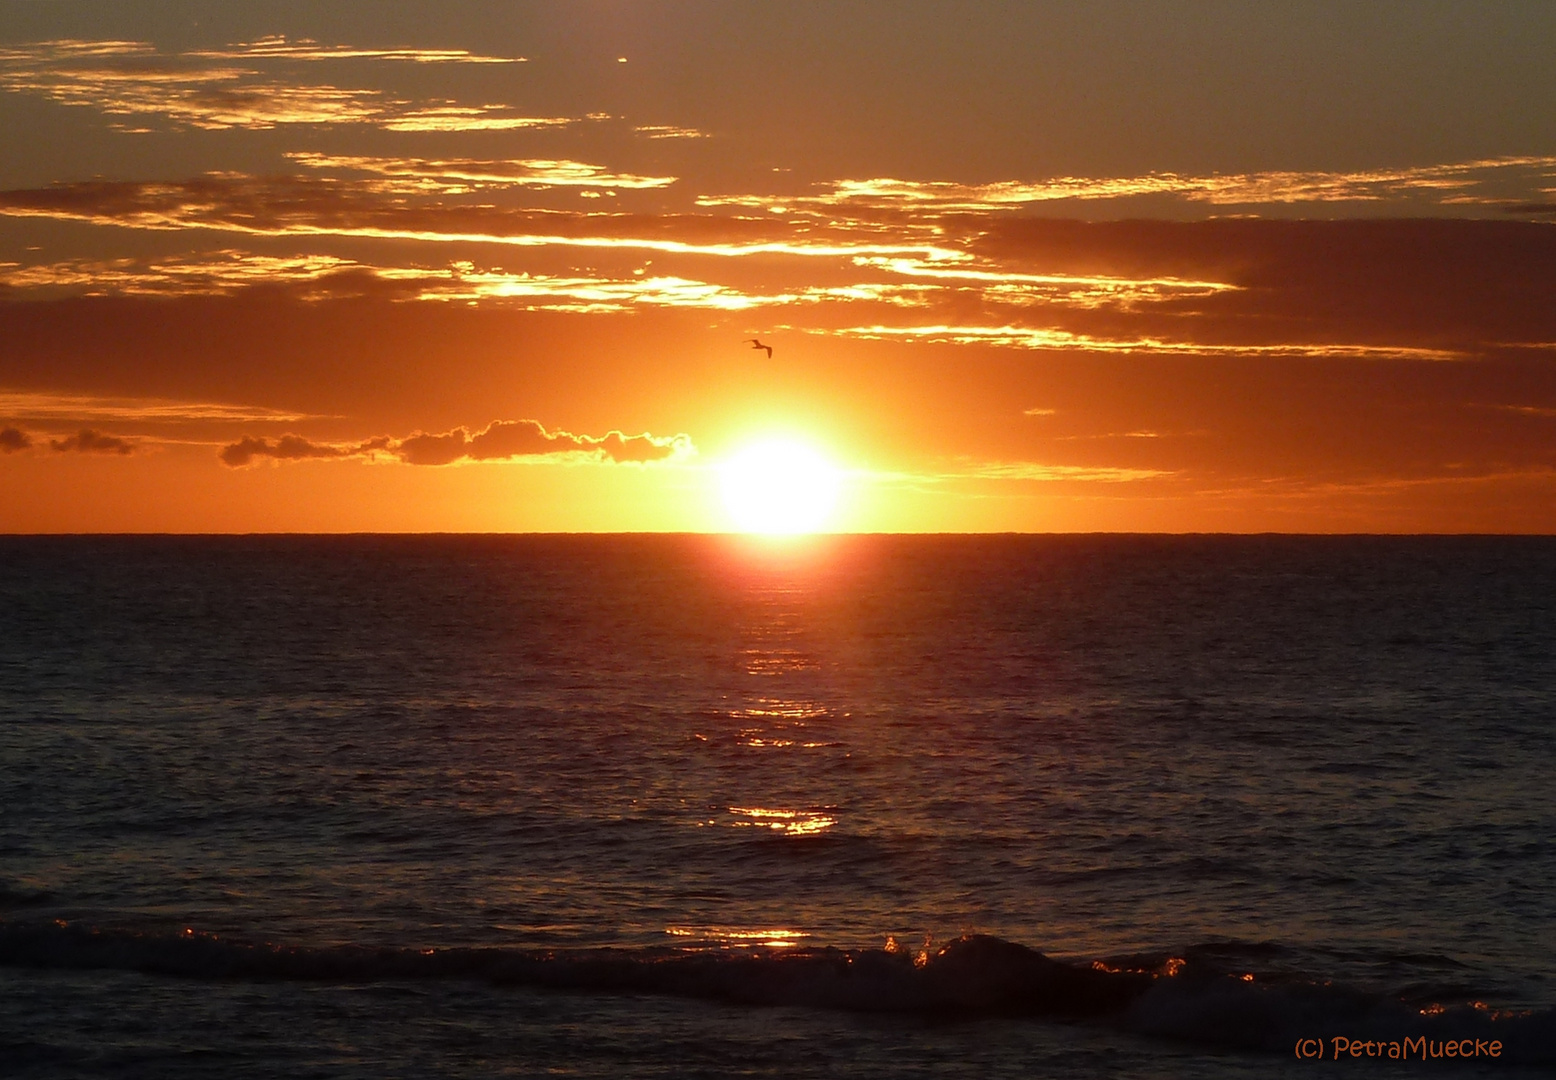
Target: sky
x=430 y=267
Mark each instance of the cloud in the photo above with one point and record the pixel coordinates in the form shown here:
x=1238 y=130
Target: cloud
x=1525 y=410
x=299 y=206
x=207 y=98
x=1364 y=289
x=279 y=46
x=468 y=172
x=1048 y=338
x=467 y=118
x=1446 y=285
x=211 y=273
x=324 y=277
x=1449 y=184
x=1082 y=290
x=508 y=439
x=67 y=49
x=669 y=131
x=82 y=408
x=135 y=79
x=290 y=448
x=1031 y=470
x=89 y=441
x=12 y=440
x=502 y=440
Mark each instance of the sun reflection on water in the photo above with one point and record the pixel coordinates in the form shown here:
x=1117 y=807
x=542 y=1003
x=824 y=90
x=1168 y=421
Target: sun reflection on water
x=730 y=938
x=779 y=708
x=788 y=822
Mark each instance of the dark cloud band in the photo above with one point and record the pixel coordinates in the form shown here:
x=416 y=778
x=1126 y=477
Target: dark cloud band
x=90 y=441
x=503 y=440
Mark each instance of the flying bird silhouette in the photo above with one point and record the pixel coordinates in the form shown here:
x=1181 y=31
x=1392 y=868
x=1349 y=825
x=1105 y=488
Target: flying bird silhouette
x=755 y=344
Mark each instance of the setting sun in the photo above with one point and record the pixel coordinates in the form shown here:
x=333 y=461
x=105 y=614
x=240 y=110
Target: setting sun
x=779 y=486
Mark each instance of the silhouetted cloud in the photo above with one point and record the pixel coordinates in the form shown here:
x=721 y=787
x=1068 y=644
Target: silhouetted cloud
x=291 y=448
x=503 y=440
x=89 y=441
x=12 y=440
x=1446 y=285
x=506 y=439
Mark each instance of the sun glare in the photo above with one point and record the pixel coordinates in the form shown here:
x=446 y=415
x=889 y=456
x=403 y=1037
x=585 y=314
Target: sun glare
x=780 y=487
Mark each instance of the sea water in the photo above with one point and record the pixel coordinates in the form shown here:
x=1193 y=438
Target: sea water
x=827 y=807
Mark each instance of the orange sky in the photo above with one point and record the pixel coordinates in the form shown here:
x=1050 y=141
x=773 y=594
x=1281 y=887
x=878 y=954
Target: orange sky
x=351 y=267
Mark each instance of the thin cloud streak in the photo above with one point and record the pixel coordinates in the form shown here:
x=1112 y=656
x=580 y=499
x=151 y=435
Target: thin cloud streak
x=279 y=46
x=469 y=118
x=669 y=131
x=213 y=273
x=305 y=206
x=1542 y=411
x=1078 y=290
x=1031 y=470
x=1028 y=471
x=1451 y=182
x=83 y=408
x=1047 y=339
x=530 y=172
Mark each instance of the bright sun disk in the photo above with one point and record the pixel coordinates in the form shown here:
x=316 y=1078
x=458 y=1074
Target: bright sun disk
x=780 y=487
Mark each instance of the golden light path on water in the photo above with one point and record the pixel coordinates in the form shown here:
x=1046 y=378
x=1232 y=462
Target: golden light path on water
x=777 y=715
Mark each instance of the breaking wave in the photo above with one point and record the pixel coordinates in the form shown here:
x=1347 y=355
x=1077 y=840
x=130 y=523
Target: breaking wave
x=1191 y=998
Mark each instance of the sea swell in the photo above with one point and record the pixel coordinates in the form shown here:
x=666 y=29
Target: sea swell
x=975 y=976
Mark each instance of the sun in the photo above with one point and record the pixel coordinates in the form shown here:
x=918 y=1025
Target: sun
x=780 y=487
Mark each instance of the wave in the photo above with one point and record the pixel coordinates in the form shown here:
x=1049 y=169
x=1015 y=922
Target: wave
x=1181 y=998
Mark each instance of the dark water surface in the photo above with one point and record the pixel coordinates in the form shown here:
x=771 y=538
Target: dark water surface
x=618 y=806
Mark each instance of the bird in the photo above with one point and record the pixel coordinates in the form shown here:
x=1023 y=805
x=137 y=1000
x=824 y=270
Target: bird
x=755 y=344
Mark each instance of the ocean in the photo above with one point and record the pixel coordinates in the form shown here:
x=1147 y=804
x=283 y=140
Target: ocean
x=685 y=806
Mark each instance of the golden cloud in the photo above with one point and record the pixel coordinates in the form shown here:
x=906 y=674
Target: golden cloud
x=1446 y=181
x=669 y=131
x=135 y=79
x=1050 y=339
x=279 y=46
x=321 y=277
x=528 y=172
x=307 y=206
